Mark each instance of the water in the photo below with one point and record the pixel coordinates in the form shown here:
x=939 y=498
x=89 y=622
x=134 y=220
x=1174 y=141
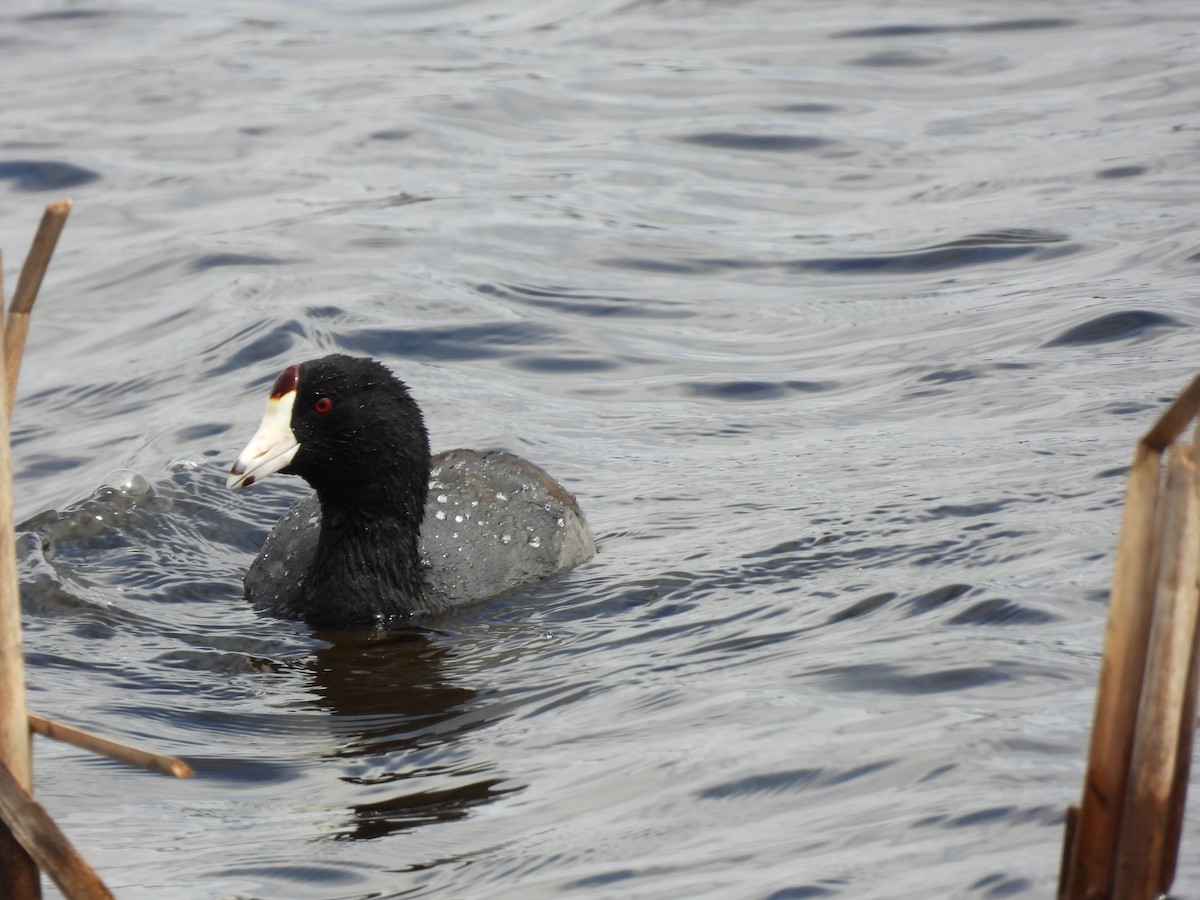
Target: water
x=840 y=319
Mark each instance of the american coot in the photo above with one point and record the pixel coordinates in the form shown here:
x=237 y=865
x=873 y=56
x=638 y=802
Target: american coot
x=391 y=531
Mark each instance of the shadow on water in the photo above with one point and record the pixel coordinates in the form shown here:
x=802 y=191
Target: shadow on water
x=395 y=717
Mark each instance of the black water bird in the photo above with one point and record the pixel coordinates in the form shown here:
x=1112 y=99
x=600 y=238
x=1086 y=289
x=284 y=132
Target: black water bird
x=391 y=531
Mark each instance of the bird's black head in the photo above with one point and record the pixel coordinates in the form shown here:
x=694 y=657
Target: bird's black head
x=348 y=427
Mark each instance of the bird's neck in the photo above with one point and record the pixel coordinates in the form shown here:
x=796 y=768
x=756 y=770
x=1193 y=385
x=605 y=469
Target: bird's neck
x=368 y=563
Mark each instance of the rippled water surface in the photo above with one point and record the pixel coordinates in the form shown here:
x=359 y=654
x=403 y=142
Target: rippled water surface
x=840 y=319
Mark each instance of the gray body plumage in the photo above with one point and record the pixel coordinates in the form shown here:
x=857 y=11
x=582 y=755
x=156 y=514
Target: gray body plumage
x=493 y=522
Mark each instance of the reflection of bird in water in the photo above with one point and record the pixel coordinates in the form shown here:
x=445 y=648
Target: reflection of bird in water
x=398 y=725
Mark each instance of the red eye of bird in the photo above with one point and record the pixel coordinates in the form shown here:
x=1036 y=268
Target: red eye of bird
x=323 y=405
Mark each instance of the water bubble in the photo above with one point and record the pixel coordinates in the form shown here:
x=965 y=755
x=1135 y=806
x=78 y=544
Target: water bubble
x=129 y=483
x=185 y=462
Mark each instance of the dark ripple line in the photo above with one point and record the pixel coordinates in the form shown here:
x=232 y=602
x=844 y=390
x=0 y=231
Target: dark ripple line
x=218 y=260
x=894 y=31
x=924 y=261
x=790 y=779
x=884 y=678
x=465 y=342
x=768 y=143
x=36 y=175
x=565 y=300
x=769 y=783
x=971 y=250
x=1118 y=326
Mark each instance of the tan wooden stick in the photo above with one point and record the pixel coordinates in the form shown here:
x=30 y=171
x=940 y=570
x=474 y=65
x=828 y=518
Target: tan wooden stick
x=1117 y=696
x=16 y=324
x=46 y=843
x=135 y=756
x=1183 y=755
x=1187 y=733
x=1141 y=849
x=18 y=872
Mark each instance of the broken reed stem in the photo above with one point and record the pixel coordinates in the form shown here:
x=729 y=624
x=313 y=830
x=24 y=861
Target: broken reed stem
x=1070 y=828
x=1171 y=423
x=19 y=871
x=28 y=836
x=1141 y=849
x=1120 y=684
x=1176 y=807
x=16 y=324
x=135 y=756
x=1168 y=429
x=47 y=845
x=1187 y=731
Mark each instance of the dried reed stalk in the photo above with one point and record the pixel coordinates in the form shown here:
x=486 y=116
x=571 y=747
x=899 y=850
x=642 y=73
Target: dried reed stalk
x=1147 y=537
x=1090 y=865
x=1187 y=731
x=16 y=324
x=46 y=844
x=1175 y=418
x=1141 y=848
x=1183 y=768
x=19 y=871
x=28 y=836
x=135 y=756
